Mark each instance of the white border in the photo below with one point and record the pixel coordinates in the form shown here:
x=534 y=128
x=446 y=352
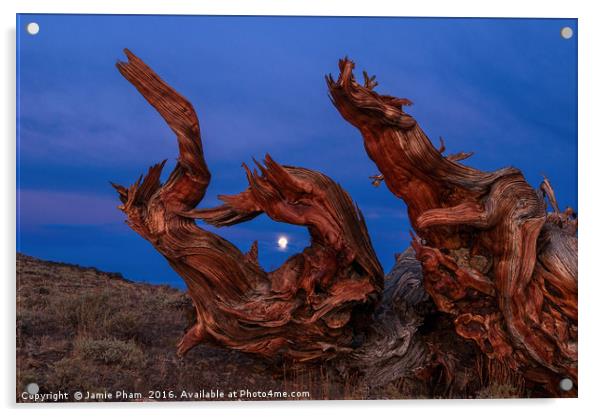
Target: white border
x=590 y=137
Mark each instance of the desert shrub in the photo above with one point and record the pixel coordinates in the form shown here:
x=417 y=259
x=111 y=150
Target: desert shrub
x=129 y=324
x=177 y=300
x=26 y=321
x=125 y=324
x=109 y=351
x=83 y=313
x=34 y=322
x=79 y=374
x=69 y=374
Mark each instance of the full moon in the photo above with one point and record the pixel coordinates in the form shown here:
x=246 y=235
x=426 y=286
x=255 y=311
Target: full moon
x=282 y=242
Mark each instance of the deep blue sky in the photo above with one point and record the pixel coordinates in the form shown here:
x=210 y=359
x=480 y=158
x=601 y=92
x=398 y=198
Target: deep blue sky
x=503 y=88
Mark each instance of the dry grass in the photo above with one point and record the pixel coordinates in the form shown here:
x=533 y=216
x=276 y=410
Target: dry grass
x=83 y=329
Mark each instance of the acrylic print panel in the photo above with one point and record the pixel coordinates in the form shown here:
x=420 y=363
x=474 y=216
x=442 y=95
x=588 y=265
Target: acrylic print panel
x=404 y=228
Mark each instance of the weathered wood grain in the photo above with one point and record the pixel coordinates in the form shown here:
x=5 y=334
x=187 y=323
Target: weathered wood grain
x=491 y=255
x=314 y=306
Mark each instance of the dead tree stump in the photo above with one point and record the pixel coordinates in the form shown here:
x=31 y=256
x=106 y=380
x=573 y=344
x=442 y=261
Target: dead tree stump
x=492 y=257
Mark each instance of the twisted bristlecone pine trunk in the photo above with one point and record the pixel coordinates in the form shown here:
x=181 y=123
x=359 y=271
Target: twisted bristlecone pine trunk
x=316 y=305
x=491 y=257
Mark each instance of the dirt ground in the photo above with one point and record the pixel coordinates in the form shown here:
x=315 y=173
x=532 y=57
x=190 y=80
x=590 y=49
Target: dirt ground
x=83 y=330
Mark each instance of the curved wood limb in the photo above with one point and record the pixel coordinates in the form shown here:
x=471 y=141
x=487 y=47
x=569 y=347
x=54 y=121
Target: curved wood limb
x=497 y=216
x=313 y=306
x=468 y=214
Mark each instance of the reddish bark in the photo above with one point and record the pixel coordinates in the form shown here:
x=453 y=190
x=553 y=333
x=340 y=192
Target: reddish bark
x=491 y=256
x=314 y=306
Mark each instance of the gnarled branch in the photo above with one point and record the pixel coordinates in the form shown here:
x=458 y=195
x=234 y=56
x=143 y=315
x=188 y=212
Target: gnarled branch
x=314 y=306
x=492 y=259
x=491 y=255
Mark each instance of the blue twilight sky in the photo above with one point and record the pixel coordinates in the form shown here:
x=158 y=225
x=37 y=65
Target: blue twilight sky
x=503 y=88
